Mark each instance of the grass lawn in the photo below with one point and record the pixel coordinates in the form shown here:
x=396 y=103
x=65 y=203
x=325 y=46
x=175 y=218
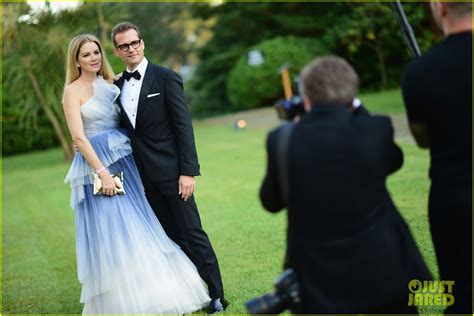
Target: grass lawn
x=39 y=267
x=390 y=102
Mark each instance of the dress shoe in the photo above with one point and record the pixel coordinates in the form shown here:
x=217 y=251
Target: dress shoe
x=217 y=306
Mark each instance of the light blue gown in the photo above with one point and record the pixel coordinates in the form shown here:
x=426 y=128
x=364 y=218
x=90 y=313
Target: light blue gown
x=126 y=262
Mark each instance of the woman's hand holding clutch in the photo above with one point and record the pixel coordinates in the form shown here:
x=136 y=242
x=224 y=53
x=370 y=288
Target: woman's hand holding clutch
x=109 y=185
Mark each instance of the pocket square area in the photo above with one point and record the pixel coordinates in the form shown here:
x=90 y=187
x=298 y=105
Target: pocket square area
x=152 y=95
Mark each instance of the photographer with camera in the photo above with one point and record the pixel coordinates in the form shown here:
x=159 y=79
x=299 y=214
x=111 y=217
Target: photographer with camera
x=437 y=89
x=350 y=249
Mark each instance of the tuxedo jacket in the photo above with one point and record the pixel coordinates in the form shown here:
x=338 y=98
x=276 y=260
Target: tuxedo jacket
x=349 y=246
x=163 y=139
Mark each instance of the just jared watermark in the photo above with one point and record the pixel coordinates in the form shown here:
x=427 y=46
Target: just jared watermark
x=430 y=293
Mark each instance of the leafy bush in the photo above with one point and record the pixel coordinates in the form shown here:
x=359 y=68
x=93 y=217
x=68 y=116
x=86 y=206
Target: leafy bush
x=18 y=137
x=254 y=86
x=206 y=91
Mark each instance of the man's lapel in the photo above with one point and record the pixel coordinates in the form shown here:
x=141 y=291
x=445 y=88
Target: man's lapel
x=146 y=87
x=119 y=82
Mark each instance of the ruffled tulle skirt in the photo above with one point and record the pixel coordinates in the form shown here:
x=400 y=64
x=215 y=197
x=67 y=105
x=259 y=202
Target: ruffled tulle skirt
x=126 y=262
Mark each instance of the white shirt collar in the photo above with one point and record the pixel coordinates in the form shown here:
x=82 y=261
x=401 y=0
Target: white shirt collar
x=141 y=67
x=356 y=103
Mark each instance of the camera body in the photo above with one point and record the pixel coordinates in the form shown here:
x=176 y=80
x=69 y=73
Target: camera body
x=285 y=295
x=292 y=106
x=289 y=109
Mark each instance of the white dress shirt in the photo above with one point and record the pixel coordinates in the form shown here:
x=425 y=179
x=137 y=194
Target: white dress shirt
x=131 y=92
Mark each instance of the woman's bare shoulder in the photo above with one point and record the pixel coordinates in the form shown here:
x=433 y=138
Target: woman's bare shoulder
x=71 y=89
x=77 y=91
x=75 y=86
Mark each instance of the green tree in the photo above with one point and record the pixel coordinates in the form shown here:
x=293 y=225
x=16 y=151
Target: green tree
x=34 y=61
x=250 y=86
x=366 y=34
x=19 y=138
x=241 y=25
x=168 y=30
x=25 y=52
x=370 y=38
x=35 y=49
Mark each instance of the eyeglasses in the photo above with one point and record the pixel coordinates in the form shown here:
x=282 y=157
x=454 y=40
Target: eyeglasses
x=126 y=47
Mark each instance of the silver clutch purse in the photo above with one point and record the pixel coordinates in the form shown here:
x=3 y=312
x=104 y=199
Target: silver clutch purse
x=118 y=177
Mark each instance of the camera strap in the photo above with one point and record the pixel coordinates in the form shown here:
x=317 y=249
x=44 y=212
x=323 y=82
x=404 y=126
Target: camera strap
x=282 y=158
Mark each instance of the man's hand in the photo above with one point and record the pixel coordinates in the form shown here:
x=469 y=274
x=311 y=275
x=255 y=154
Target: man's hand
x=118 y=76
x=75 y=147
x=186 y=187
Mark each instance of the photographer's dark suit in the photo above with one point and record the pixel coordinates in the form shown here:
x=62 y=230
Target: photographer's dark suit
x=163 y=148
x=349 y=246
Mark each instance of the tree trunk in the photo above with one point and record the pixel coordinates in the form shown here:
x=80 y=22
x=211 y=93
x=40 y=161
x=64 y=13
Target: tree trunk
x=104 y=28
x=67 y=148
x=383 y=71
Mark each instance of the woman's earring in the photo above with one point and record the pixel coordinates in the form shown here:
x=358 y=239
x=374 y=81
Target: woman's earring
x=78 y=66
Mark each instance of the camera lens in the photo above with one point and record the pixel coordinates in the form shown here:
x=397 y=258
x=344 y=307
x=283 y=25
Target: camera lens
x=266 y=304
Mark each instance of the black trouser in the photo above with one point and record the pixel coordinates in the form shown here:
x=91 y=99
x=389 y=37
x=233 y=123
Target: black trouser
x=450 y=213
x=182 y=224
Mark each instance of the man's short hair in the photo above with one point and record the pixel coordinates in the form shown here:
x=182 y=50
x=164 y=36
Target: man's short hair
x=459 y=9
x=122 y=28
x=329 y=80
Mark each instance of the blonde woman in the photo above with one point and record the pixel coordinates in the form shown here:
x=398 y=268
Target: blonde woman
x=126 y=263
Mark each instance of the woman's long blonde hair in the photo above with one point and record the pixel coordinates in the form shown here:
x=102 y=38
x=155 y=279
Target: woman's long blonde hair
x=72 y=71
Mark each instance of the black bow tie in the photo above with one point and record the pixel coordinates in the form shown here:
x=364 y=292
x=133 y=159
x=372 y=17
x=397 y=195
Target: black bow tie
x=127 y=75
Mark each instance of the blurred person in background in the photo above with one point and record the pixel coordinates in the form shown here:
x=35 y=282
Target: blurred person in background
x=437 y=90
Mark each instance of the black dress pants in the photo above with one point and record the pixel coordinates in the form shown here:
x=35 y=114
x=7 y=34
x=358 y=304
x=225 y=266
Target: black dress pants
x=182 y=224
x=450 y=214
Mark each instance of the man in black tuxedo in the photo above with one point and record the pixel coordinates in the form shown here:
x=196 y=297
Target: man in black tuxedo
x=154 y=111
x=350 y=248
